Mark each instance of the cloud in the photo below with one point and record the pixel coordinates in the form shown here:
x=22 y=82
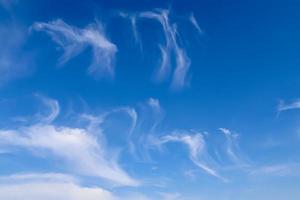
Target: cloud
x=154 y=104
x=133 y=22
x=171 y=47
x=291 y=106
x=53 y=106
x=82 y=150
x=197 y=149
x=195 y=23
x=74 y=40
x=232 y=147
x=49 y=187
x=179 y=77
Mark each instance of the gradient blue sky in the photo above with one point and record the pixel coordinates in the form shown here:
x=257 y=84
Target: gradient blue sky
x=146 y=100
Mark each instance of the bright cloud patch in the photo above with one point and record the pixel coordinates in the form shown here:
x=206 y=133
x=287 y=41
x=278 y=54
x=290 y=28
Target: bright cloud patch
x=83 y=150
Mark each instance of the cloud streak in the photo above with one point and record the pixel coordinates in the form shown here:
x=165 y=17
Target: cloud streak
x=197 y=149
x=74 y=40
x=291 y=106
x=232 y=147
x=171 y=50
x=195 y=23
x=183 y=62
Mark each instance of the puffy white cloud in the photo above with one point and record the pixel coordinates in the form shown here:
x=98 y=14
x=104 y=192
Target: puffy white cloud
x=74 y=40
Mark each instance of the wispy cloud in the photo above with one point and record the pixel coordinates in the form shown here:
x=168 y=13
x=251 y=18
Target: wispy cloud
x=179 y=77
x=74 y=40
x=288 y=106
x=195 y=23
x=132 y=17
x=232 y=148
x=171 y=49
x=197 y=149
x=53 y=109
x=154 y=104
x=82 y=149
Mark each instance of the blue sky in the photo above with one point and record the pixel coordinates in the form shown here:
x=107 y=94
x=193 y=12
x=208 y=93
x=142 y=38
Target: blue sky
x=144 y=100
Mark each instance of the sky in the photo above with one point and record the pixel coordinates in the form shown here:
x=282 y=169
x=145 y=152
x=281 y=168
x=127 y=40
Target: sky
x=149 y=100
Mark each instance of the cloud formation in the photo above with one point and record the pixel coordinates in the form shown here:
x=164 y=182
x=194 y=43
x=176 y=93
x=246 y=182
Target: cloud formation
x=183 y=62
x=82 y=150
x=291 y=106
x=74 y=40
x=172 y=50
x=232 y=148
x=197 y=149
x=195 y=23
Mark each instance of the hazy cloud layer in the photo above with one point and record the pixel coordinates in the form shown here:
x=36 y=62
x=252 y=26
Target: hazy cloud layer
x=48 y=187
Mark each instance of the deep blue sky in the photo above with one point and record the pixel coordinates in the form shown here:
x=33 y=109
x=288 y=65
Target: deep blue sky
x=243 y=77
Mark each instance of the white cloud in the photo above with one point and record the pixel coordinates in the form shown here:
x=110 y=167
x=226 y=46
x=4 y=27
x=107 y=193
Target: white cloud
x=197 y=149
x=53 y=106
x=133 y=22
x=232 y=147
x=291 y=106
x=154 y=104
x=179 y=77
x=195 y=23
x=82 y=150
x=48 y=187
x=74 y=40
